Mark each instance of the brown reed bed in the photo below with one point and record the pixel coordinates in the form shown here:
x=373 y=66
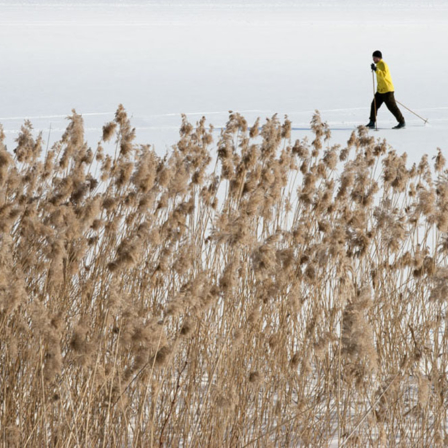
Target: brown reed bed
x=242 y=290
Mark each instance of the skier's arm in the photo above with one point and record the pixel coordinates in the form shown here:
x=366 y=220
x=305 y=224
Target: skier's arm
x=381 y=69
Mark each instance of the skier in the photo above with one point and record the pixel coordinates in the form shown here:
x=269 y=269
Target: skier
x=385 y=92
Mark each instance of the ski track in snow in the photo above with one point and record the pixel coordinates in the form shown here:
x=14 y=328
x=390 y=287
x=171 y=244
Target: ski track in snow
x=209 y=113
x=88 y=114
x=212 y=113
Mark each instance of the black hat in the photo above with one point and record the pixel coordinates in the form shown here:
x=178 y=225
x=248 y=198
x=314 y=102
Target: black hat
x=377 y=54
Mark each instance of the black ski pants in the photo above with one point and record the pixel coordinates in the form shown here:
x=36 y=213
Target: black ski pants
x=391 y=104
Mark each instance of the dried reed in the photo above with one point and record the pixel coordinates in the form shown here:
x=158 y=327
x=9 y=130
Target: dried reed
x=293 y=295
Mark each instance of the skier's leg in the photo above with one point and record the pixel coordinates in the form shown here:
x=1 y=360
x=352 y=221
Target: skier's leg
x=392 y=106
x=379 y=101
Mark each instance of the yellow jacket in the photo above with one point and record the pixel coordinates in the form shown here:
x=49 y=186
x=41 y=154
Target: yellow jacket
x=383 y=77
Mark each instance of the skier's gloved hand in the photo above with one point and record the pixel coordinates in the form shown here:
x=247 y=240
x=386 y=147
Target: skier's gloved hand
x=373 y=67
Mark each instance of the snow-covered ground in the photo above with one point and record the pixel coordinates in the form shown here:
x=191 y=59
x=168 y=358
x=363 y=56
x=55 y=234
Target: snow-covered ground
x=162 y=58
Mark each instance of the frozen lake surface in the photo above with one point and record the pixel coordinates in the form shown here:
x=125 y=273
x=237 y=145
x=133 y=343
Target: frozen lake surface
x=160 y=59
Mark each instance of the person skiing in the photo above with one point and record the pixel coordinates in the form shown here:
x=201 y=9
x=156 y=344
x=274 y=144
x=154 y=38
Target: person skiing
x=385 y=92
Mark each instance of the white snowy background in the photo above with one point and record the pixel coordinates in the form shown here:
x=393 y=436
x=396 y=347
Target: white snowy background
x=163 y=58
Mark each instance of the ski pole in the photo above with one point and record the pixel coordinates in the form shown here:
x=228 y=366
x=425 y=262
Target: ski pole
x=421 y=118
x=374 y=99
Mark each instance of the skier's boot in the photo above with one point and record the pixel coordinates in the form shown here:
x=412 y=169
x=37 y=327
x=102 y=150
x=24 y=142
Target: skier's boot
x=370 y=125
x=400 y=125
